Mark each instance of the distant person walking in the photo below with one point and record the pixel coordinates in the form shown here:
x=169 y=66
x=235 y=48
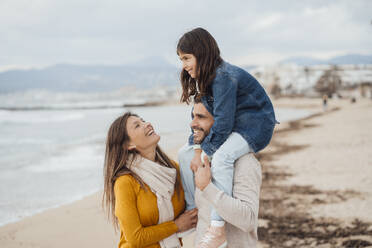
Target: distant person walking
x=325 y=102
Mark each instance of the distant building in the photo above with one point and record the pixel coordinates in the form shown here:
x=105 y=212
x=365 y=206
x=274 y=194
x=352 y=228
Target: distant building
x=313 y=80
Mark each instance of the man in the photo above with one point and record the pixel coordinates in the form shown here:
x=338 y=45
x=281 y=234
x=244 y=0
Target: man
x=239 y=211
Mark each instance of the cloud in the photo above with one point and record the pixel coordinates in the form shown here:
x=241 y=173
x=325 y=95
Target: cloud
x=42 y=32
x=266 y=22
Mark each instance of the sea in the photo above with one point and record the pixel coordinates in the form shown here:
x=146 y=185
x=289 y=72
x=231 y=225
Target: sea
x=54 y=156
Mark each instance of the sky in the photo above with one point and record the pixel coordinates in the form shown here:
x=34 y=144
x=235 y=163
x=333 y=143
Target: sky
x=39 y=33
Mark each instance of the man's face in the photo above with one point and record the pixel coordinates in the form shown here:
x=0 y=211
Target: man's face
x=202 y=122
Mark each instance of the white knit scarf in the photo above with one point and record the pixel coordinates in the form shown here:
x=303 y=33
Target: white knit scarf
x=161 y=181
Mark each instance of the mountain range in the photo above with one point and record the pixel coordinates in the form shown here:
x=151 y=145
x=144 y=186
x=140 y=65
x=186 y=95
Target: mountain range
x=90 y=78
x=148 y=73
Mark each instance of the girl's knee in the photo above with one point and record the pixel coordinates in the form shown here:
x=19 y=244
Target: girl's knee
x=221 y=156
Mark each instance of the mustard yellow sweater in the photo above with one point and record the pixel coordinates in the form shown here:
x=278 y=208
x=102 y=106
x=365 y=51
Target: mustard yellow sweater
x=138 y=215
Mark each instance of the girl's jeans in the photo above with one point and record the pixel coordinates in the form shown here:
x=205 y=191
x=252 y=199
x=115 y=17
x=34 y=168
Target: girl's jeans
x=222 y=168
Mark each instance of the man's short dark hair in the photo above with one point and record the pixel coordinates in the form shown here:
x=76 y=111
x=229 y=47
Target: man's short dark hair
x=197 y=99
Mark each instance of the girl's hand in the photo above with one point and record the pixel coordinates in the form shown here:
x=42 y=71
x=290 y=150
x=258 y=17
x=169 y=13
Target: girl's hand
x=203 y=175
x=196 y=160
x=187 y=220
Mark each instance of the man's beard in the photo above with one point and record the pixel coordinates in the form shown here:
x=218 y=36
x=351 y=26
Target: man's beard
x=201 y=134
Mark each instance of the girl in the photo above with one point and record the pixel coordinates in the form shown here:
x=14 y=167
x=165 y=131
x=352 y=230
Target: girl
x=243 y=115
x=142 y=188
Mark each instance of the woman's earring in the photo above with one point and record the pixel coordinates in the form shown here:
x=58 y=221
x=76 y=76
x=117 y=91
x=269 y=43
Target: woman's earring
x=131 y=147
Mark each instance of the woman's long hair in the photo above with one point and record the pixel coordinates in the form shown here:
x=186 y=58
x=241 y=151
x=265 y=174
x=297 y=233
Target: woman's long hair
x=203 y=46
x=118 y=159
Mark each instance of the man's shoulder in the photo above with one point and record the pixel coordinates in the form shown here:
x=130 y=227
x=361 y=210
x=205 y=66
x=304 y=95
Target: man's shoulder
x=247 y=165
x=247 y=159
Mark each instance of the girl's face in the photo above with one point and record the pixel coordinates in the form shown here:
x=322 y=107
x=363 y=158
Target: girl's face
x=189 y=63
x=141 y=134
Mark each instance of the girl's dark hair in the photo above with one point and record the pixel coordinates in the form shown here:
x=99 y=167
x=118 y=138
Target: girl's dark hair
x=203 y=46
x=118 y=159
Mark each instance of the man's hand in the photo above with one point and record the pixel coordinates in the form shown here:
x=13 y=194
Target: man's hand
x=203 y=175
x=196 y=160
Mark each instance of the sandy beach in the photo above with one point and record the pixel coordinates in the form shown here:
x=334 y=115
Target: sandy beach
x=317 y=188
x=317 y=184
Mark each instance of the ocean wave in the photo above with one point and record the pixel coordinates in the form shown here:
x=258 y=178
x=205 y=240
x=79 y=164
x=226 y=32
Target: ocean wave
x=44 y=100
x=78 y=158
x=38 y=116
x=11 y=216
x=25 y=141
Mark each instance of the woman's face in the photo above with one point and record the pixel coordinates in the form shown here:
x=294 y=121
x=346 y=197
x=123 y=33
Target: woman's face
x=189 y=63
x=141 y=134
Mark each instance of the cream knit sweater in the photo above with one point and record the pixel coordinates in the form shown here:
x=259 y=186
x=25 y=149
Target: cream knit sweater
x=240 y=211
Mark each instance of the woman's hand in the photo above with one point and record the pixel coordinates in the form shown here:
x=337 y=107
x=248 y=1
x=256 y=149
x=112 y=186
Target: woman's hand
x=187 y=220
x=196 y=160
x=203 y=175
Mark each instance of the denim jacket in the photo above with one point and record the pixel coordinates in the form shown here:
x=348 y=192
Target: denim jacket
x=238 y=104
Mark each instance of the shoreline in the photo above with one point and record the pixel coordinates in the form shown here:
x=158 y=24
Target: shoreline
x=97 y=107
x=75 y=224
x=42 y=210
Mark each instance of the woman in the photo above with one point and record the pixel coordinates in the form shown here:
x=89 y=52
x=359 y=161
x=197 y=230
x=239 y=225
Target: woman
x=142 y=187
